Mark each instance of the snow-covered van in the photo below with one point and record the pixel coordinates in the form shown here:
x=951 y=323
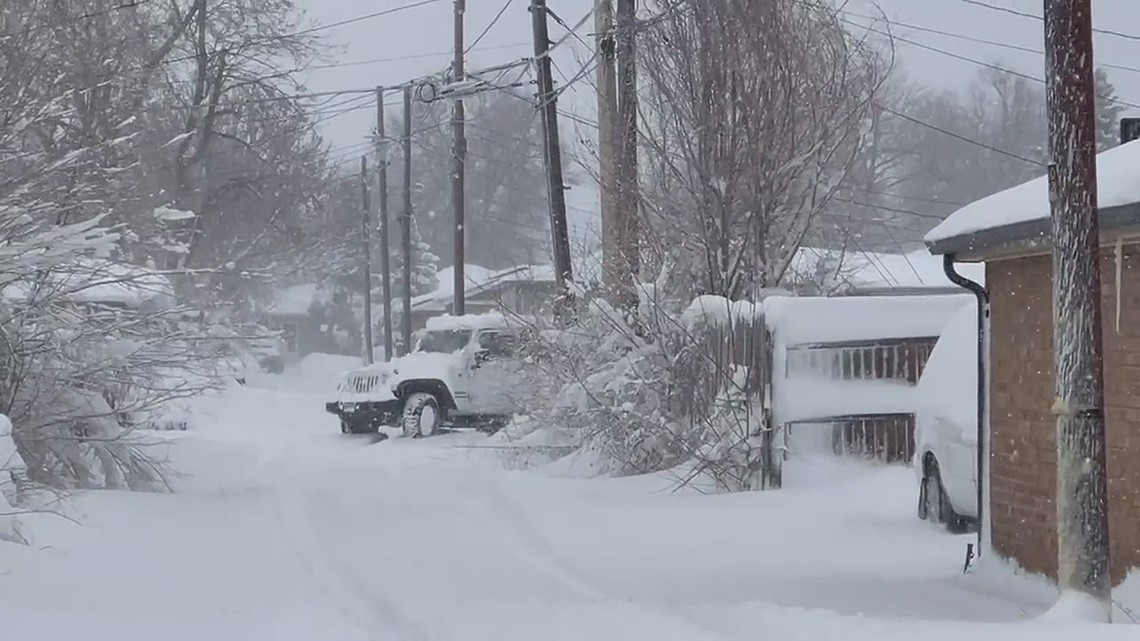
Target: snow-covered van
x=946 y=423
x=461 y=372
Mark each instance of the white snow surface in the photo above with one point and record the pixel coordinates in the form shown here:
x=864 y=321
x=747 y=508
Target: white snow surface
x=948 y=389
x=472 y=322
x=283 y=529
x=1118 y=183
x=797 y=321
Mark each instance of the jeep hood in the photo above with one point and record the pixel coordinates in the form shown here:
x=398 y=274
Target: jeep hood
x=418 y=365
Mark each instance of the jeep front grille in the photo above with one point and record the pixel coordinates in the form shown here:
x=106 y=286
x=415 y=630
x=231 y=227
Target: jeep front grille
x=363 y=383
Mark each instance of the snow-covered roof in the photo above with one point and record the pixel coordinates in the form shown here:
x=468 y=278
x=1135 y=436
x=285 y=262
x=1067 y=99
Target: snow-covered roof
x=478 y=279
x=469 y=321
x=296 y=300
x=873 y=271
x=89 y=280
x=809 y=320
x=1023 y=208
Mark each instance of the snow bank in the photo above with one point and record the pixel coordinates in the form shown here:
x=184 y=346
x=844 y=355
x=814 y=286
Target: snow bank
x=1075 y=607
x=1118 y=183
x=948 y=389
x=10 y=462
x=799 y=321
x=1126 y=596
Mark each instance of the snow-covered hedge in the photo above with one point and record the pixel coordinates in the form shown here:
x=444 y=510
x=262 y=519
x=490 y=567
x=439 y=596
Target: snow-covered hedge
x=671 y=395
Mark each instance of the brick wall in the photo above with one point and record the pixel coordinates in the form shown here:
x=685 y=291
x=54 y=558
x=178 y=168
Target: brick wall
x=1023 y=459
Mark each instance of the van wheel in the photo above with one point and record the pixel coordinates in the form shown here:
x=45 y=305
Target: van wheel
x=934 y=505
x=421 y=416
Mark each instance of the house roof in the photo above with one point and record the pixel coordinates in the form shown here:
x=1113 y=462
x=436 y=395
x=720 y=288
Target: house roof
x=1021 y=214
x=479 y=280
x=296 y=300
x=873 y=273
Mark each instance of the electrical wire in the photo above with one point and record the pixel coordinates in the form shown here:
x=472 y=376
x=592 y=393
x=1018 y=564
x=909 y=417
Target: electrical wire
x=993 y=43
x=958 y=136
x=1026 y=14
x=490 y=26
x=86 y=16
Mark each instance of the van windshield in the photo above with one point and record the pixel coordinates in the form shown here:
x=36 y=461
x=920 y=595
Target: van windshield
x=444 y=341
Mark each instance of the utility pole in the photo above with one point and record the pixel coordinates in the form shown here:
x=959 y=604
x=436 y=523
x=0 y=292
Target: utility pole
x=1082 y=497
x=628 y=195
x=382 y=194
x=607 y=165
x=552 y=148
x=406 y=220
x=459 y=171
x=367 y=234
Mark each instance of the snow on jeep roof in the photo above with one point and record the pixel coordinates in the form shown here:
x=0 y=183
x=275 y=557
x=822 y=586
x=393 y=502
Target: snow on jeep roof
x=469 y=321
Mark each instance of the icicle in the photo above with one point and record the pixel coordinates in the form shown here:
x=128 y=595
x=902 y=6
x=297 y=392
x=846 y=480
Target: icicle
x=1119 y=271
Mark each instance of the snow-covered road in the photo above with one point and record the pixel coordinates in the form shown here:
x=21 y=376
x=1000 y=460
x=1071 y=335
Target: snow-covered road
x=283 y=530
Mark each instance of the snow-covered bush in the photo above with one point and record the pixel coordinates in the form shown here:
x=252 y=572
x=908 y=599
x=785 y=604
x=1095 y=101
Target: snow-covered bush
x=11 y=471
x=666 y=396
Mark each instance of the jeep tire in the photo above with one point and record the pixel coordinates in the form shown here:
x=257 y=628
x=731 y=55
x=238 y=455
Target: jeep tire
x=421 y=416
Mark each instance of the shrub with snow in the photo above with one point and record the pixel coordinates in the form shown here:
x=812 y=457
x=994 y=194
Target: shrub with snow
x=11 y=471
x=654 y=400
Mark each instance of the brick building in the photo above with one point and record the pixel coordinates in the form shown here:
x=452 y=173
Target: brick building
x=1009 y=231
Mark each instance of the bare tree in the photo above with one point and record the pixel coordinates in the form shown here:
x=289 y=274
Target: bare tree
x=754 y=118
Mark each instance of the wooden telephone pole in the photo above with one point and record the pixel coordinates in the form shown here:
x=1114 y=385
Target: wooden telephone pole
x=552 y=147
x=607 y=156
x=382 y=195
x=1082 y=497
x=366 y=208
x=459 y=169
x=628 y=196
x=406 y=222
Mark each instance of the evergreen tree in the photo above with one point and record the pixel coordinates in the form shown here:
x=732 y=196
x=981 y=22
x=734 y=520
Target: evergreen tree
x=1108 y=112
x=425 y=265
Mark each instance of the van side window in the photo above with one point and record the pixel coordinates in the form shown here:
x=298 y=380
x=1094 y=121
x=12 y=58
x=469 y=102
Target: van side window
x=498 y=344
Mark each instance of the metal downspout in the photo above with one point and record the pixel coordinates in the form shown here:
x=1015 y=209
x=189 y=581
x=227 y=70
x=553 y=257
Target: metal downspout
x=979 y=291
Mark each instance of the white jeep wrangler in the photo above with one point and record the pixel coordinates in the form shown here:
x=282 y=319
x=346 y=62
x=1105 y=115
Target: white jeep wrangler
x=459 y=373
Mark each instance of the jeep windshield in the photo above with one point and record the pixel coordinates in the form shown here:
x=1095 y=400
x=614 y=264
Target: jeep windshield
x=444 y=341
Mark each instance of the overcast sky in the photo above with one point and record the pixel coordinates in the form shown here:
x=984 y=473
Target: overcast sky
x=409 y=43
x=423 y=35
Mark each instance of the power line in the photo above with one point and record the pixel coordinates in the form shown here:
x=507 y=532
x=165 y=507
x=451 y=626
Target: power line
x=1026 y=14
x=975 y=61
x=958 y=136
x=992 y=43
x=417 y=56
x=490 y=26
x=86 y=16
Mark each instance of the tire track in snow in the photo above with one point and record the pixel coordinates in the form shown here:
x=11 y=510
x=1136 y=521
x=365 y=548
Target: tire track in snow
x=534 y=550
x=380 y=618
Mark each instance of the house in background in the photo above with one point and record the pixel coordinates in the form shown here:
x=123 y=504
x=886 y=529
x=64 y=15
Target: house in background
x=829 y=272
x=1010 y=232
x=525 y=290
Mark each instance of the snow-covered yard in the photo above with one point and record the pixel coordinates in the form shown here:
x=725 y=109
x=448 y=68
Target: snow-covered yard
x=283 y=529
